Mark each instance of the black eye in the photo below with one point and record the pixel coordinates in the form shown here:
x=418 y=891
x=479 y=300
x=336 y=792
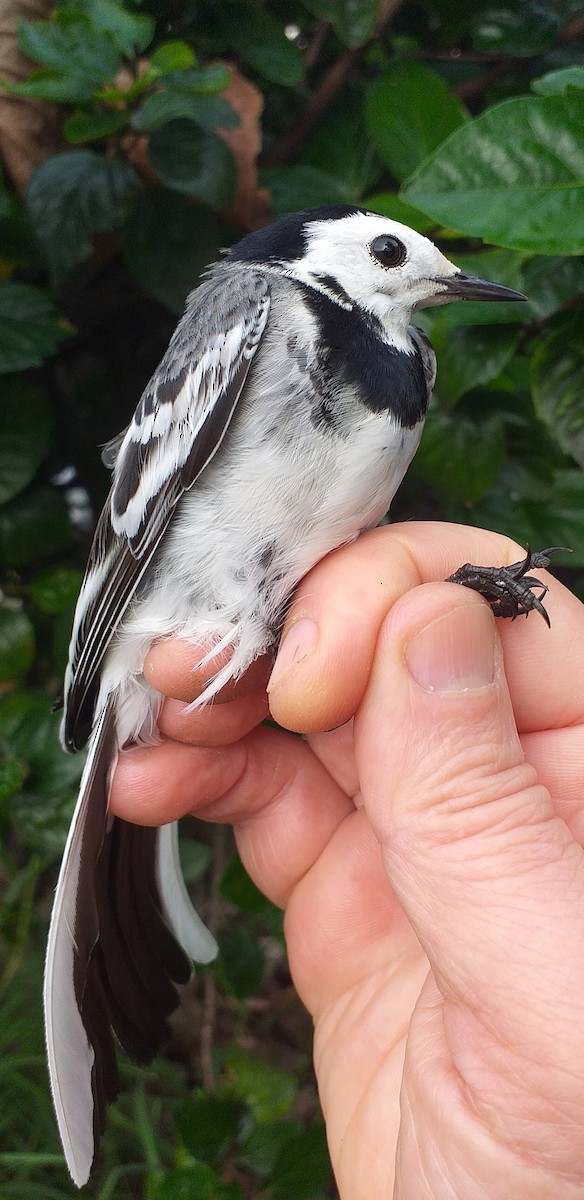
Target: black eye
x=388 y=250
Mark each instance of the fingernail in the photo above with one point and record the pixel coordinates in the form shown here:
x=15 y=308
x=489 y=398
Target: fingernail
x=456 y=652
x=298 y=644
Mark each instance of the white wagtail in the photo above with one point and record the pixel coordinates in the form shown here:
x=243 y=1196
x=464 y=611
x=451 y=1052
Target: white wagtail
x=278 y=425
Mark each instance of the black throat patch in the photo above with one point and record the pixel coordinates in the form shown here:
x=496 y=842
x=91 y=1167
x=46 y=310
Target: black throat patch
x=351 y=348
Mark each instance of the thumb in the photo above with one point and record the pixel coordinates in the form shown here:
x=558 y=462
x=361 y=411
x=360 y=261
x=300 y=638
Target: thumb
x=487 y=874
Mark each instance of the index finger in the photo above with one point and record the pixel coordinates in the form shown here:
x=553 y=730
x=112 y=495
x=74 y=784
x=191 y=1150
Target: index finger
x=329 y=639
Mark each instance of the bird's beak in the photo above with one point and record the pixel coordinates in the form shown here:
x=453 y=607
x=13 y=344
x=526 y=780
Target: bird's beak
x=469 y=287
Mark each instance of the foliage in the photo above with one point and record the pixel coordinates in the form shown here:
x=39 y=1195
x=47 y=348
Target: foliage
x=463 y=122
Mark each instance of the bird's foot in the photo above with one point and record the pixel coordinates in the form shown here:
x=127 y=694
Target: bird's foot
x=510 y=591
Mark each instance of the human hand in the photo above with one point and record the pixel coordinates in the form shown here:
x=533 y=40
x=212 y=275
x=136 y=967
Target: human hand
x=428 y=853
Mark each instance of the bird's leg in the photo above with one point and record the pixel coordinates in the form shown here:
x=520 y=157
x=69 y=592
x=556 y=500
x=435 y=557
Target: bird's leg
x=510 y=591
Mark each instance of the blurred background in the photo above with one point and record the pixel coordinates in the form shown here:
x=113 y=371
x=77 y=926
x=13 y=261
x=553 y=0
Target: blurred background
x=137 y=140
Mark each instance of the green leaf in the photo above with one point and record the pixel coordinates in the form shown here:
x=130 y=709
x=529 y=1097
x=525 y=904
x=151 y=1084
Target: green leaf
x=260 y=1150
x=172 y=56
x=70 y=44
x=33 y=527
x=195 y=858
x=410 y=111
x=30 y=327
x=268 y=1092
x=168 y=241
x=392 y=206
x=207 y=80
x=162 y=107
x=29 y=731
x=461 y=455
x=557 y=82
x=302 y=187
x=190 y=160
x=522 y=28
x=196 y=1181
x=264 y=46
x=551 y=282
x=469 y=357
x=237 y=888
x=130 y=32
x=55 y=589
x=558 y=387
x=12 y=777
x=302 y=1169
x=16 y=644
x=54 y=86
x=243 y=962
x=25 y=431
x=73 y=195
x=353 y=20
x=514 y=176
x=209 y=1124
x=90 y=125
x=528 y=516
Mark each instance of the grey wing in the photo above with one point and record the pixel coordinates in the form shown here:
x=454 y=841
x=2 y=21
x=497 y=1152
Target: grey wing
x=176 y=430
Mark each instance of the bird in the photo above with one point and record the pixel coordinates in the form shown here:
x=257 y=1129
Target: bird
x=277 y=427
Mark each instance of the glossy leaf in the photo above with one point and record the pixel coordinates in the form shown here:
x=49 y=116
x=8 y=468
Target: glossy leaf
x=558 y=388
x=73 y=195
x=527 y=514
x=525 y=27
x=469 y=357
x=409 y=112
x=25 y=430
x=52 y=85
x=172 y=56
x=207 y=80
x=557 y=82
x=164 y=106
x=392 y=206
x=70 y=44
x=30 y=326
x=514 y=176
x=461 y=455
x=190 y=160
x=16 y=644
x=551 y=282
x=91 y=125
x=168 y=241
x=130 y=32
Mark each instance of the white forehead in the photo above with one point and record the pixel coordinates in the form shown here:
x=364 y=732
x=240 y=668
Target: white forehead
x=343 y=243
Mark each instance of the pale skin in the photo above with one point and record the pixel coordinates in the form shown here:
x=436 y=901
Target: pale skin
x=428 y=854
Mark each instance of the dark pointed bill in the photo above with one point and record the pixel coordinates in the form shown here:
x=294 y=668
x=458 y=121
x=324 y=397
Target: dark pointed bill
x=470 y=287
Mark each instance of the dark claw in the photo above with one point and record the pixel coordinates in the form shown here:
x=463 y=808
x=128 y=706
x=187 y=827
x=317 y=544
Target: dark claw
x=509 y=590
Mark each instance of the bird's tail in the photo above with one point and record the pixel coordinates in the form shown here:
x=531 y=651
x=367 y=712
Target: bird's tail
x=122 y=936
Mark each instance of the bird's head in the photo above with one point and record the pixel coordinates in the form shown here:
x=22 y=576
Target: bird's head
x=360 y=258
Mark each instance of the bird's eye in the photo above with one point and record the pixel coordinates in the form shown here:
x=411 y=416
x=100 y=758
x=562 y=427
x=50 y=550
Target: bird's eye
x=388 y=250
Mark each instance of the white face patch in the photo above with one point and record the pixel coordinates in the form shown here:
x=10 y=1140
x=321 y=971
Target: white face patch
x=340 y=249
